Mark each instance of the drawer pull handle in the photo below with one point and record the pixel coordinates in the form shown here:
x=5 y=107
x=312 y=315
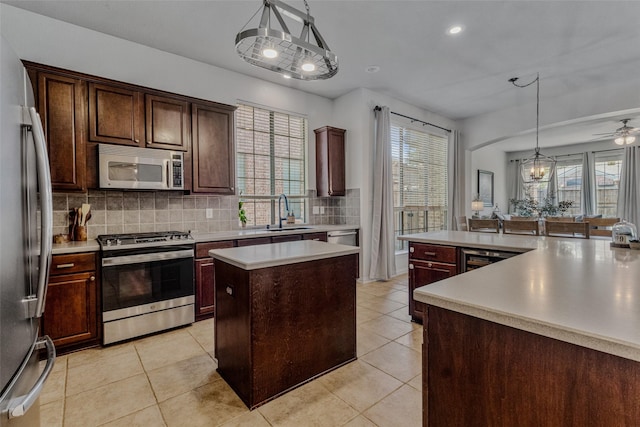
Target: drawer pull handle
x=430 y=253
x=429 y=265
x=71 y=264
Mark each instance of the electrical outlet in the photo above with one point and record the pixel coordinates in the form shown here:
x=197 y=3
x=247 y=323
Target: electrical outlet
x=316 y=210
x=209 y=213
x=321 y=210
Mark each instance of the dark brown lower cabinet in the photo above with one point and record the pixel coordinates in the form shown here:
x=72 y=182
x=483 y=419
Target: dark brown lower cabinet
x=423 y=273
x=71 y=307
x=480 y=373
x=205 y=278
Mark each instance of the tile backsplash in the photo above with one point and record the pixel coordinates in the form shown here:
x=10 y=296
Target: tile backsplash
x=141 y=211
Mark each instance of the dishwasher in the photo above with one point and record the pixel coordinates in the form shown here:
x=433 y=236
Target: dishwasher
x=343 y=237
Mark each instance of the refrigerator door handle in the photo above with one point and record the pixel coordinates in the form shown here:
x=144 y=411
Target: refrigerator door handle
x=22 y=404
x=46 y=200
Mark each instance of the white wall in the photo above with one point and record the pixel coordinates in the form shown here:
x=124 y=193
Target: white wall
x=503 y=124
x=354 y=112
x=48 y=41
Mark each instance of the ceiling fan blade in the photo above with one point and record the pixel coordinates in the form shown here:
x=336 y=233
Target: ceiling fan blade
x=604 y=134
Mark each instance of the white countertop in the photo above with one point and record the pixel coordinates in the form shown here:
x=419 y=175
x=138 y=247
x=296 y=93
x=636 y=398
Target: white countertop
x=250 y=233
x=580 y=291
x=264 y=256
x=200 y=237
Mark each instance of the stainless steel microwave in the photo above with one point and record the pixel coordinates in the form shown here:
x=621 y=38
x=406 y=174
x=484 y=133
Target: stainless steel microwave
x=122 y=167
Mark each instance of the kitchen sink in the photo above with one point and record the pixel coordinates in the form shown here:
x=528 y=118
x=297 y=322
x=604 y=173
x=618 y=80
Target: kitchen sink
x=288 y=229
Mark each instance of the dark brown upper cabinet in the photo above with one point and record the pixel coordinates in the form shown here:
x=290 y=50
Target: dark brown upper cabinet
x=213 y=148
x=167 y=122
x=61 y=104
x=116 y=115
x=330 y=160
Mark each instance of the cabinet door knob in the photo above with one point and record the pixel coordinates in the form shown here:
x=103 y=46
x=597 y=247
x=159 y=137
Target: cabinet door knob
x=137 y=141
x=92 y=278
x=429 y=265
x=411 y=249
x=410 y=266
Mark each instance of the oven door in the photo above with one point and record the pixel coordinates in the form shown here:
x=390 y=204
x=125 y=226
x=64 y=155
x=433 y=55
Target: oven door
x=131 y=278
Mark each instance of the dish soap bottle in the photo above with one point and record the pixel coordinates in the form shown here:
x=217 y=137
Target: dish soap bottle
x=291 y=219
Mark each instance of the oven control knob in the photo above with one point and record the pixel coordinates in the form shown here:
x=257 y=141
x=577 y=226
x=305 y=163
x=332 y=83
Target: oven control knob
x=108 y=242
x=118 y=242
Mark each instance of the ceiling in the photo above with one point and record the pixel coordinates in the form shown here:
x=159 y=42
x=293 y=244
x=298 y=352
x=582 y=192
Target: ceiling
x=572 y=44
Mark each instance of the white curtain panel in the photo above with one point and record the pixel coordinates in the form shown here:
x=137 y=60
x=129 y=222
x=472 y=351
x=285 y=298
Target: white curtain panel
x=629 y=190
x=456 y=180
x=587 y=199
x=515 y=185
x=552 y=188
x=383 y=262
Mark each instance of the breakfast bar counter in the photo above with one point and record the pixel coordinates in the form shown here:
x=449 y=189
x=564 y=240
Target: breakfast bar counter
x=285 y=314
x=548 y=337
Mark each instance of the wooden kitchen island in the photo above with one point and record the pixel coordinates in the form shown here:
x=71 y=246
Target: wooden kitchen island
x=550 y=337
x=285 y=314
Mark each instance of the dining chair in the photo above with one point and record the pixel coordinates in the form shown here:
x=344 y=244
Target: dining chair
x=462 y=223
x=484 y=225
x=520 y=227
x=523 y=218
x=578 y=230
x=561 y=218
x=601 y=226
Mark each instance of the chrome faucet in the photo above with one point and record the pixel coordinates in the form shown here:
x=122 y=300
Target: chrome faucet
x=286 y=207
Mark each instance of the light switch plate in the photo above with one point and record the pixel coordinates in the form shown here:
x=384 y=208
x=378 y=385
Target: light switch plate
x=316 y=210
x=209 y=213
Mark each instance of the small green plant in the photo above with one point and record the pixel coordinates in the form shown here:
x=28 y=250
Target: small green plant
x=241 y=213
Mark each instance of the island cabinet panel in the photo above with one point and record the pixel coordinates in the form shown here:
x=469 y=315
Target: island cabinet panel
x=428 y=264
x=266 y=342
x=71 y=306
x=61 y=105
x=480 y=373
x=168 y=122
x=116 y=115
x=205 y=278
x=213 y=149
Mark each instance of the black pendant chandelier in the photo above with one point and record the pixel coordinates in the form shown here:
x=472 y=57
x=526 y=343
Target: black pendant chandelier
x=276 y=49
x=538 y=168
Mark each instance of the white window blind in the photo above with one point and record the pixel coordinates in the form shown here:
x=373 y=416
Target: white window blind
x=569 y=180
x=270 y=159
x=608 y=166
x=419 y=181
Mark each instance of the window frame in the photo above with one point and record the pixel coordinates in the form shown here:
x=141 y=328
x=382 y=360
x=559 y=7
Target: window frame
x=401 y=246
x=297 y=202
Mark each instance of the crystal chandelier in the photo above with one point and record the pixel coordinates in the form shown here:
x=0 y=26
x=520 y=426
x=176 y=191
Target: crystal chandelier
x=539 y=167
x=303 y=58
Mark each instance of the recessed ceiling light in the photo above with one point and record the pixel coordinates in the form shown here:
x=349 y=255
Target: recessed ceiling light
x=372 y=69
x=456 y=29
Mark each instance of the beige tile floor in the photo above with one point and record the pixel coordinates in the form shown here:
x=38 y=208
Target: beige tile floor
x=170 y=379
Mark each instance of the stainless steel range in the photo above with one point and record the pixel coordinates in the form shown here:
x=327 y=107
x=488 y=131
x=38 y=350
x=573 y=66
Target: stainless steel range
x=147 y=283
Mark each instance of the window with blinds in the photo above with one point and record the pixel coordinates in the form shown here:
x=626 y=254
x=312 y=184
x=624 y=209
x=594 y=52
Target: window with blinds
x=608 y=166
x=419 y=181
x=270 y=160
x=569 y=182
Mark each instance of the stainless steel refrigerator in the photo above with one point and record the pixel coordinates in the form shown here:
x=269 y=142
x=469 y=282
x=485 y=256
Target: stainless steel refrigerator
x=25 y=246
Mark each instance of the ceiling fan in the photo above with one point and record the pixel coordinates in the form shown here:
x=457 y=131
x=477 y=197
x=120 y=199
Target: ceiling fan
x=623 y=135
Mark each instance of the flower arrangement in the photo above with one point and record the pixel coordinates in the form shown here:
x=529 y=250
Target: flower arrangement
x=531 y=207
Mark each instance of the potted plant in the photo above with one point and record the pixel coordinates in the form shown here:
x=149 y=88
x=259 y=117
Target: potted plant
x=242 y=215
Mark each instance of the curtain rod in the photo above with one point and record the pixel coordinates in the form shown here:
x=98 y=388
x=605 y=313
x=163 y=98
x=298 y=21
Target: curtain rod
x=378 y=108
